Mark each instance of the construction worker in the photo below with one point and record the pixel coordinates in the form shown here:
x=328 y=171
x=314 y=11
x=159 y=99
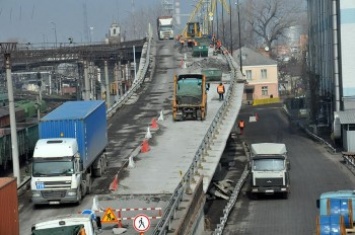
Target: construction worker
x=241 y=125
x=218 y=46
x=220 y=91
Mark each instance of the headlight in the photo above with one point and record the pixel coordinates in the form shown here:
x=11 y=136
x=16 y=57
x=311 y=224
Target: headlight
x=36 y=194
x=71 y=193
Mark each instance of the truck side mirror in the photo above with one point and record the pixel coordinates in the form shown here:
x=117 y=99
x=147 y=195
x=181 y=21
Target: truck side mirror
x=288 y=165
x=318 y=203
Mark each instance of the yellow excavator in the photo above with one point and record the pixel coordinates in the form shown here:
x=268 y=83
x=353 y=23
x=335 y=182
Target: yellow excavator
x=192 y=32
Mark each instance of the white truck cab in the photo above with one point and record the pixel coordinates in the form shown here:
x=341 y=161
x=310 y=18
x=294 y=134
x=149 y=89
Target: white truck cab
x=68 y=224
x=56 y=164
x=269 y=168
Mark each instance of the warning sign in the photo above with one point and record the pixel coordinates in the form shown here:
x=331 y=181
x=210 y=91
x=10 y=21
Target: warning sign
x=109 y=216
x=141 y=223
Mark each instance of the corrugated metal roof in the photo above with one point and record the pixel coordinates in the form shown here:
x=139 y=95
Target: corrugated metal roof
x=346 y=117
x=252 y=58
x=73 y=110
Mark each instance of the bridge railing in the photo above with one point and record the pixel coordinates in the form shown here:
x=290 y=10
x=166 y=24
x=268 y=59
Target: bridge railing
x=164 y=224
x=141 y=73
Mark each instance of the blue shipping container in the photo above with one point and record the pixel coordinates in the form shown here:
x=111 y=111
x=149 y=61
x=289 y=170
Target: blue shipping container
x=83 y=120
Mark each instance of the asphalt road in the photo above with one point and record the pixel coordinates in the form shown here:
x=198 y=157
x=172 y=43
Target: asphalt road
x=313 y=170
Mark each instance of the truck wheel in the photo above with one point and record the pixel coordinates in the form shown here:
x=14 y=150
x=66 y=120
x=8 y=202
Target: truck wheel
x=285 y=195
x=88 y=185
x=199 y=115
x=79 y=196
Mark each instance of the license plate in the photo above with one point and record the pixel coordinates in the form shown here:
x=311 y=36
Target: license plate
x=53 y=203
x=269 y=191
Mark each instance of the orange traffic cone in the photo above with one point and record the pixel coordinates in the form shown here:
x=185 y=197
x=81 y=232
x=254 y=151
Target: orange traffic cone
x=114 y=184
x=154 y=124
x=145 y=146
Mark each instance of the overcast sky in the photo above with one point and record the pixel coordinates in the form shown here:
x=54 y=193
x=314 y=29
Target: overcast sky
x=36 y=21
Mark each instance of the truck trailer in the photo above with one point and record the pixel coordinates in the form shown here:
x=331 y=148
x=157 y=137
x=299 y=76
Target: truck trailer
x=165 y=27
x=190 y=97
x=269 y=169
x=69 y=152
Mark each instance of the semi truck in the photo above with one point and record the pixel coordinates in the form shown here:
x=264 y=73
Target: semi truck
x=336 y=212
x=69 y=152
x=269 y=168
x=190 y=97
x=165 y=27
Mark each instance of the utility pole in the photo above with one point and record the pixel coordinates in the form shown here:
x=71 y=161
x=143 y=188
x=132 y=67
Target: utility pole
x=230 y=28
x=240 y=40
x=6 y=49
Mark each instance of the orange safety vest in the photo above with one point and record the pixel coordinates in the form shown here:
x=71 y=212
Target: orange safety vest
x=220 y=89
x=241 y=124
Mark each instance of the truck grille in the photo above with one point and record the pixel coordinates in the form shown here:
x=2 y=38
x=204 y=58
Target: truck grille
x=53 y=194
x=57 y=184
x=268 y=182
x=189 y=100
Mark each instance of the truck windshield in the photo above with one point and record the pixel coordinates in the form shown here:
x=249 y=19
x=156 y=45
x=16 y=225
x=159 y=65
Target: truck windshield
x=268 y=164
x=53 y=168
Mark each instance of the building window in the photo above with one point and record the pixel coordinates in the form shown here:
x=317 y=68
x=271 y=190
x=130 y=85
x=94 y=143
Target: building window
x=263 y=74
x=248 y=74
x=264 y=91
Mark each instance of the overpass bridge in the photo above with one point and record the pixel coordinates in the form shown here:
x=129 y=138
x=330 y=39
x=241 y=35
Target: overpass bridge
x=26 y=57
x=176 y=173
x=183 y=156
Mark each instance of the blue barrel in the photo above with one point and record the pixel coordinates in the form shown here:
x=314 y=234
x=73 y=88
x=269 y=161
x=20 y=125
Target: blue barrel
x=342 y=207
x=331 y=225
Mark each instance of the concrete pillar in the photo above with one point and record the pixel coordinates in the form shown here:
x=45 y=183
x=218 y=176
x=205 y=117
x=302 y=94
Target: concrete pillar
x=107 y=82
x=14 y=144
x=86 y=82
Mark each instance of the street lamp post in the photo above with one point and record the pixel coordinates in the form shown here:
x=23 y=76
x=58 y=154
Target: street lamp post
x=230 y=28
x=240 y=39
x=55 y=32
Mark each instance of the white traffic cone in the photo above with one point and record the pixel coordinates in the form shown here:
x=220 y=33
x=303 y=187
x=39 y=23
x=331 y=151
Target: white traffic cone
x=148 y=135
x=95 y=204
x=131 y=162
x=183 y=64
x=161 y=116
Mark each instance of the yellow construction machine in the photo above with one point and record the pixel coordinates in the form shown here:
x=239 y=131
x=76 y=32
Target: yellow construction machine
x=193 y=31
x=190 y=97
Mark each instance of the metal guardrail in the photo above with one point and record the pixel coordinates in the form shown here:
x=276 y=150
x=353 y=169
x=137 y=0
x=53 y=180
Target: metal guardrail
x=136 y=85
x=164 y=224
x=349 y=159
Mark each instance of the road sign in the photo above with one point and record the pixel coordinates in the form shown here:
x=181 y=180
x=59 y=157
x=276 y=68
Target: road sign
x=109 y=216
x=141 y=223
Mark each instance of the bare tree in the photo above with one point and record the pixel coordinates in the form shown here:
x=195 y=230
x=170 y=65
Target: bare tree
x=139 y=26
x=270 y=19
